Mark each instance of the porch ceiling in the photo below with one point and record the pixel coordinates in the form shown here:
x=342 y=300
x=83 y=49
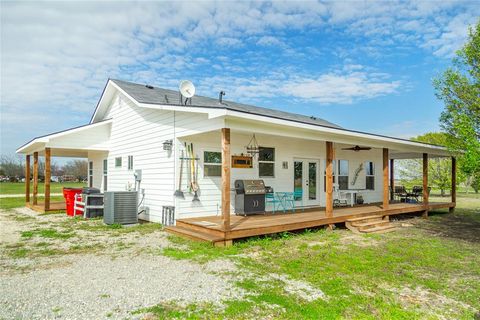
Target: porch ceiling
x=75 y=142
x=395 y=151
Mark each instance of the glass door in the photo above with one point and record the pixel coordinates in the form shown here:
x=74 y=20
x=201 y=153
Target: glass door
x=305 y=182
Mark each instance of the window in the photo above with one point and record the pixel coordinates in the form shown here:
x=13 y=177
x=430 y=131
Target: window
x=118 y=162
x=90 y=174
x=130 y=163
x=105 y=171
x=266 y=162
x=212 y=164
x=370 y=175
x=342 y=174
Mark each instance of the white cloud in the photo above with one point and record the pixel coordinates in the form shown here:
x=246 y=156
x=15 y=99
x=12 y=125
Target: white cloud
x=56 y=56
x=339 y=88
x=270 y=41
x=330 y=88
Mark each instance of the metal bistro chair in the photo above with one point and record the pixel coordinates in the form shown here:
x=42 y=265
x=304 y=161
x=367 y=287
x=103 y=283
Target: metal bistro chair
x=289 y=201
x=271 y=198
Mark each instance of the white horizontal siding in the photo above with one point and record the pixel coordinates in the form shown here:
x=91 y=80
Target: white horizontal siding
x=140 y=132
x=285 y=150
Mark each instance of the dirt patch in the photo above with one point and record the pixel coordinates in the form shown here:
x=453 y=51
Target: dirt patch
x=429 y=302
x=451 y=226
x=301 y=289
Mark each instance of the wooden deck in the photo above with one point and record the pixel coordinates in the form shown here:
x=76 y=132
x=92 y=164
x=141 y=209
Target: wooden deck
x=40 y=206
x=210 y=228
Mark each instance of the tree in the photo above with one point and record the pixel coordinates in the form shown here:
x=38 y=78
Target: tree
x=76 y=168
x=12 y=167
x=439 y=169
x=459 y=88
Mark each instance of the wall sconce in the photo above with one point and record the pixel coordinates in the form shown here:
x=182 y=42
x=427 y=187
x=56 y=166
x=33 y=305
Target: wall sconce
x=167 y=145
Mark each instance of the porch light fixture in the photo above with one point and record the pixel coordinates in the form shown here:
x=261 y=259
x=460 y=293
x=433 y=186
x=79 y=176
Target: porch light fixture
x=167 y=145
x=252 y=147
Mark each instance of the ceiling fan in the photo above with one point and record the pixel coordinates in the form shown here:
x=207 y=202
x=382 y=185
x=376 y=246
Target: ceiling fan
x=357 y=148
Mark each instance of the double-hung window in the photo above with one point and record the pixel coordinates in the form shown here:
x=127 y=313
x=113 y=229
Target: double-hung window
x=90 y=174
x=342 y=174
x=105 y=173
x=266 y=162
x=130 y=162
x=370 y=175
x=118 y=162
x=212 y=164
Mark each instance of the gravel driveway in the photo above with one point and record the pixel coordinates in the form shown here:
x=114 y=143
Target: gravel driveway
x=80 y=271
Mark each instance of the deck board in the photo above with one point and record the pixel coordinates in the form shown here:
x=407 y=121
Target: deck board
x=40 y=206
x=272 y=223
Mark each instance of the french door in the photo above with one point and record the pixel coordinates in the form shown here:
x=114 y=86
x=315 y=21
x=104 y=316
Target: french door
x=306 y=182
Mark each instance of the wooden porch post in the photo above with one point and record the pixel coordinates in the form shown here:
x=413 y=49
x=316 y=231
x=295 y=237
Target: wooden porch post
x=329 y=180
x=35 y=178
x=385 y=179
x=47 y=178
x=425 y=184
x=454 y=184
x=27 y=178
x=226 y=178
x=392 y=179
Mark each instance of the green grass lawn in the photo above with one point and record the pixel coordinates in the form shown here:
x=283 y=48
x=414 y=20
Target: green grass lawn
x=10 y=203
x=19 y=187
x=430 y=270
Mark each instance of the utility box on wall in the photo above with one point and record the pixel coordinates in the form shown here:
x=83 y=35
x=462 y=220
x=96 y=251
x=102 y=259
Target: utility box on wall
x=120 y=207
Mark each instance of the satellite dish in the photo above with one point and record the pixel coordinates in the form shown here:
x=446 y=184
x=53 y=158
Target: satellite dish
x=187 y=89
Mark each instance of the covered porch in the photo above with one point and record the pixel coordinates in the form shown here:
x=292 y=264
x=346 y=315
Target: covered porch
x=222 y=228
x=83 y=142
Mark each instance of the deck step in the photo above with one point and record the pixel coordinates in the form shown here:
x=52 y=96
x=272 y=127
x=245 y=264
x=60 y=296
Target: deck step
x=370 y=224
x=380 y=229
x=366 y=218
x=193 y=234
x=361 y=226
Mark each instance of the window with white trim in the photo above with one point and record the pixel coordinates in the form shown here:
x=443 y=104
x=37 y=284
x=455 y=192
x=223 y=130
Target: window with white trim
x=342 y=174
x=105 y=172
x=212 y=164
x=369 y=175
x=90 y=174
x=266 y=162
x=130 y=163
x=118 y=162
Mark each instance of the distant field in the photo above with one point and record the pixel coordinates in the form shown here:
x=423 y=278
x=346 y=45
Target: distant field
x=19 y=187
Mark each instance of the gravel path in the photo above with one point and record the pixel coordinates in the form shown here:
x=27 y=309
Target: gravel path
x=109 y=282
x=99 y=287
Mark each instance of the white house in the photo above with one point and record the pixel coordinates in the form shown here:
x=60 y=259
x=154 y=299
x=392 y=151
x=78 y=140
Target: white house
x=132 y=123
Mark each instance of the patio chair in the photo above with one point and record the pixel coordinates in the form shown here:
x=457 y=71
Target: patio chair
x=417 y=191
x=339 y=198
x=400 y=193
x=271 y=198
x=298 y=196
x=289 y=201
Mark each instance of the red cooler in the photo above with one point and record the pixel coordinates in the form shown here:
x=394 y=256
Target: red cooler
x=69 y=195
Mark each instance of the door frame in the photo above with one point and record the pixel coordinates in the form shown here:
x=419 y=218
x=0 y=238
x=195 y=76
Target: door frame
x=319 y=182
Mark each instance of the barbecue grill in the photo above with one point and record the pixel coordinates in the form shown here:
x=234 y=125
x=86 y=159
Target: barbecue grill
x=249 y=197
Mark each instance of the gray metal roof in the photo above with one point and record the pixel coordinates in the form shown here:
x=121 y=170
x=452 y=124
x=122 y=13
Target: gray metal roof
x=143 y=94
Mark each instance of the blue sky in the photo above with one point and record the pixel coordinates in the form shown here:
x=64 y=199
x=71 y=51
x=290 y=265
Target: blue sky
x=366 y=65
